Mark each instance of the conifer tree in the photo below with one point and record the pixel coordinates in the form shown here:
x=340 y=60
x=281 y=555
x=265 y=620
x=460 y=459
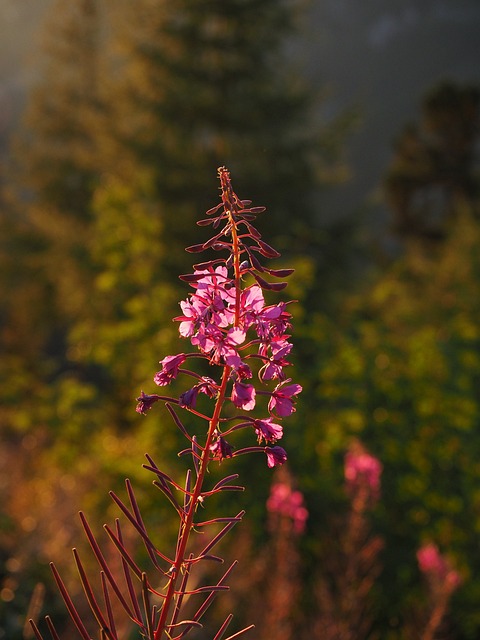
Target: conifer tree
x=56 y=149
x=433 y=171
x=210 y=83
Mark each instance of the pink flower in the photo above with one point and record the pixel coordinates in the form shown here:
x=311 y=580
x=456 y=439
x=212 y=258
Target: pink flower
x=169 y=369
x=192 y=311
x=220 y=449
x=281 y=401
x=274 y=367
x=251 y=304
x=267 y=430
x=145 y=402
x=362 y=468
x=273 y=322
x=285 y=502
x=437 y=568
x=243 y=396
x=276 y=456
x=431 y=561
x=188 y=399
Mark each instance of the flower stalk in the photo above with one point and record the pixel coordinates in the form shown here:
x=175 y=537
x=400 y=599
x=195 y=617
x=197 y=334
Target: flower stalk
x=232 y=329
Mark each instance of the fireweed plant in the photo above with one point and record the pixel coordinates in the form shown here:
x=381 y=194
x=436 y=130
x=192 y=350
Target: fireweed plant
x=230 y=327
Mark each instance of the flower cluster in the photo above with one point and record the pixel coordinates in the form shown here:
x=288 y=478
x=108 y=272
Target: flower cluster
x=288 y=503
x=230 y=325
x=362 y=471
x=436 y=567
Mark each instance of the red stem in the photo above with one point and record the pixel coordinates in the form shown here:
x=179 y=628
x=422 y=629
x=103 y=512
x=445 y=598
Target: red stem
x=229 y=207
x=188 y=524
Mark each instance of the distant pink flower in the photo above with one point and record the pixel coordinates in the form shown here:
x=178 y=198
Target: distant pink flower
x=437 y=568
x=430 y=560
x=453 y=580
x=243 y=396
x=284 y=501
x=361 y=468
x=281 y=401
x=169 y=369
x=276 y=456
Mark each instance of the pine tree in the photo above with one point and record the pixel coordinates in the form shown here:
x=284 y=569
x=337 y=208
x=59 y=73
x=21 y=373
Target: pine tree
x=55 y=167
x=433 y=170
x=209 y=83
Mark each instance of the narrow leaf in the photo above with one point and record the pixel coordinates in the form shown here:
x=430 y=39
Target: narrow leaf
x=222 y=533
x=191 y=623
x=177 y=421
x=147 y=607
x=36 y=632
x=108 y=604
x=266 y=250
x=280 y=273
x=223 y=481
x=207 y=589
x=140 y=530
x=150 y=547
x=97 y=612
x=51 y=628
x=101 y=560
x=194 y=248
x=207 y=557
x=223 y=628
x=240 y=633
x=69 y=604
x=214 y=209
x=126 y=572
x=210 y=598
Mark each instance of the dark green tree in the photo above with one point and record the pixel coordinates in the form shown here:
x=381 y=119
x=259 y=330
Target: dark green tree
x=434 y=168
x=210 y=84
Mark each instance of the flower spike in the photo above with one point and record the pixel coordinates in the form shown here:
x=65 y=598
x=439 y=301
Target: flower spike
x=246 y=344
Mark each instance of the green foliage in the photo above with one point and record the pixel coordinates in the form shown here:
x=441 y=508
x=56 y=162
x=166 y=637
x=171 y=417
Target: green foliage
x=401 y=371
x=113 y=164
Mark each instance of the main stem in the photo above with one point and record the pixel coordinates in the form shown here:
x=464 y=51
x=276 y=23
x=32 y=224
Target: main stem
x=188 y=522
x=192 y=506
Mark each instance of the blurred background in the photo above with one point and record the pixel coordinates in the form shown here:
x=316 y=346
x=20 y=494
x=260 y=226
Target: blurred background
x=357 y=125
